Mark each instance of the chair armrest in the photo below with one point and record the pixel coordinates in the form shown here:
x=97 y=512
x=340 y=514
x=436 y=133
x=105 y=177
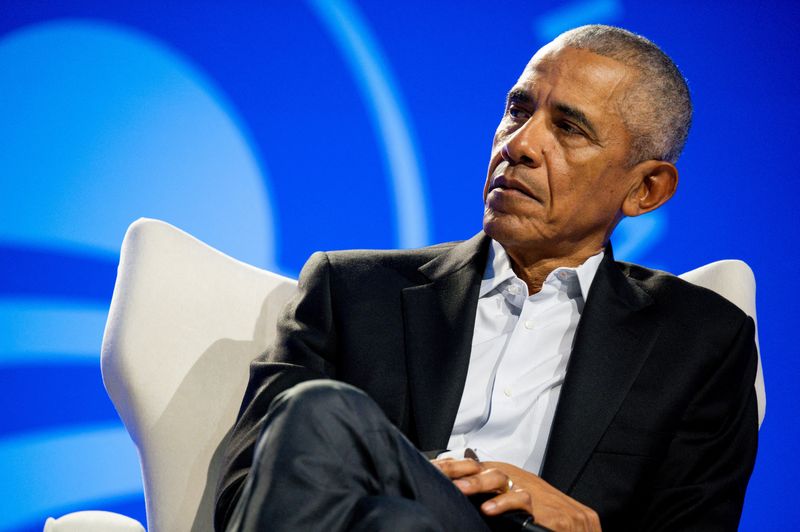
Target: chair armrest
x=93 y=521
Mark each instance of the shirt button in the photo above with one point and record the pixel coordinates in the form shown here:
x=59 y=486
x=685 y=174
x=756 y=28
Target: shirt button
x=507 y=391
x=529 y=324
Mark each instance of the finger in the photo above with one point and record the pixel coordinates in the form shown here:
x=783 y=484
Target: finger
x=518 y=499
x=487 y=481
x=458 y=468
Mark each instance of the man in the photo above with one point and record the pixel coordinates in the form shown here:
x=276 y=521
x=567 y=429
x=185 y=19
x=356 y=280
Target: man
x=565 y=385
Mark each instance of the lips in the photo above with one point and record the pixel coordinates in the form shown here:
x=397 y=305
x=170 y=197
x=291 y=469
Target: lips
x=507 y=183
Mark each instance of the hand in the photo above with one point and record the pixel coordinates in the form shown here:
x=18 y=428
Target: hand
x=550 y=507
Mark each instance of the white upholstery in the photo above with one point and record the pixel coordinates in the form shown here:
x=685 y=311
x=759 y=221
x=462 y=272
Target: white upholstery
x=185 y=321
x=93 y=521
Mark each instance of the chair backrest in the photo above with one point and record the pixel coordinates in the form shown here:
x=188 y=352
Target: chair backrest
x=185 y=322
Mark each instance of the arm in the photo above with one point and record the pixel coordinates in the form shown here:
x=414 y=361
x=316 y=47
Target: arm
x=304 y=349
x=700 y=485
x=700 y=480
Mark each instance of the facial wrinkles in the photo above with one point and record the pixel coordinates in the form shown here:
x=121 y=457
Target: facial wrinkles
x=605 y=108
x=579 y=162
x=547 y=160
x=544 y=92
x=584 y=176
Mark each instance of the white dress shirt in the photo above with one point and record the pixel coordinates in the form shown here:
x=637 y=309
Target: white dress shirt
x=520 y=349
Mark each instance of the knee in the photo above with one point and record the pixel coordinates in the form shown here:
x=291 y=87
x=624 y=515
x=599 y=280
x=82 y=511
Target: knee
x=321 y=398
x=320 y=411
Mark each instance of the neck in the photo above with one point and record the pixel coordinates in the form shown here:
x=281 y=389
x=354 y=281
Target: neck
x=534 y=268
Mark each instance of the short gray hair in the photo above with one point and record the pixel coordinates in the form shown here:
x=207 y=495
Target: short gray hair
x=658 y=111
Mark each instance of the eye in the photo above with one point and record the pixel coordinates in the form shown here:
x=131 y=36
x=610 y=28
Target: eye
x=515 y=111
x=569 y=128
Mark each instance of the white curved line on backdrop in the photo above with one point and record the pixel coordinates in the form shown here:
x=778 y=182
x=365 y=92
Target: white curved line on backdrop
x=368 y=66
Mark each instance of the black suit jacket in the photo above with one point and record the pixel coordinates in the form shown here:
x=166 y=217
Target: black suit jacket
x=656 y=425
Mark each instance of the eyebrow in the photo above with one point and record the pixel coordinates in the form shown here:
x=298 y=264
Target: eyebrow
x=518 y=95
x=577 y=115
x=522 y=96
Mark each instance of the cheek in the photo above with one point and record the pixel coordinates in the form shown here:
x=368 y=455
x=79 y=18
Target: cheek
x=589 y=172
x=585 y=157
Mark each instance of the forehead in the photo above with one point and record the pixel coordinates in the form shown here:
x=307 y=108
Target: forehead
x=595 y=84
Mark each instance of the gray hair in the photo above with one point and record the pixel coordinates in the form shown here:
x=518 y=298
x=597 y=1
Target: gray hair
x=658 y=111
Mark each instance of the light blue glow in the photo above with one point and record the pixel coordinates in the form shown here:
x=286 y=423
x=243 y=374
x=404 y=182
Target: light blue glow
x=102 y=125
x=47 y=471
x=634 y=237
x=550 y=25
x=369 y=67
x=35 y=331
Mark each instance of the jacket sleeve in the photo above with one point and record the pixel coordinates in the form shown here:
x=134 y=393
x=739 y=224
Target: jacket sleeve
x=304 y=349
x=701 y=483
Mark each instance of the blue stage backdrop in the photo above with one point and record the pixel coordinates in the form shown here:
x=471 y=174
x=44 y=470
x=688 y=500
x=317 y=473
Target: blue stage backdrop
x=274 y=129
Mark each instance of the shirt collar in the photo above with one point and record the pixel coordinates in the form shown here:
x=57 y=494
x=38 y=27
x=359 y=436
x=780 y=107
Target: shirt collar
x=498 y=271
x=587 y=271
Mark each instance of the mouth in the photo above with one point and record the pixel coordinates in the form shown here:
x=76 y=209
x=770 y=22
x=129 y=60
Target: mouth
x=507 y=184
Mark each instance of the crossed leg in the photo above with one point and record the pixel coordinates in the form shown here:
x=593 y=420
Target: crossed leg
x=329 y=459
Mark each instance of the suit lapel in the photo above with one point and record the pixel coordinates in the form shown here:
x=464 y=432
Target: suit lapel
x=439 y=318
x=612 y=342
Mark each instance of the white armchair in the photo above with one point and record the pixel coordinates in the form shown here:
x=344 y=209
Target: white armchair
x=185 y=322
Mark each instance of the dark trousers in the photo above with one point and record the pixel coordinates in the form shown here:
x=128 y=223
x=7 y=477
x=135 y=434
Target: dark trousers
x=329 y=459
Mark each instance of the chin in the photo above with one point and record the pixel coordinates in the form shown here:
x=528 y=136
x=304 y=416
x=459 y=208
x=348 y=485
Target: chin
x=505 y=228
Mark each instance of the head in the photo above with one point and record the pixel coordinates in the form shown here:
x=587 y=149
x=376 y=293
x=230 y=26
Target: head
x=590 y=134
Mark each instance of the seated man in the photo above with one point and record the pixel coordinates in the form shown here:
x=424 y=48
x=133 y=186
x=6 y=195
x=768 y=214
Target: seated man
x=545 y=376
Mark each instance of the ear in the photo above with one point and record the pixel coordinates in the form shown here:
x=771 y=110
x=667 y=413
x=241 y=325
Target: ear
x=654 y=182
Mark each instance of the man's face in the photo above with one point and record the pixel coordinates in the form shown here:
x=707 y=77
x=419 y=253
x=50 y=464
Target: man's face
x=558 y=173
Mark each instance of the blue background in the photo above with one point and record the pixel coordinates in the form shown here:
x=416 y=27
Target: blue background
x=271 y=130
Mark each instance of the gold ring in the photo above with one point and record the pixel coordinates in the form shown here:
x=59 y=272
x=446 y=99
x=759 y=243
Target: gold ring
x=510 y=485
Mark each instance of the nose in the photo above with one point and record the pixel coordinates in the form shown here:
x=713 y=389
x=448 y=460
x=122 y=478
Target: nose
x=524 y=146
